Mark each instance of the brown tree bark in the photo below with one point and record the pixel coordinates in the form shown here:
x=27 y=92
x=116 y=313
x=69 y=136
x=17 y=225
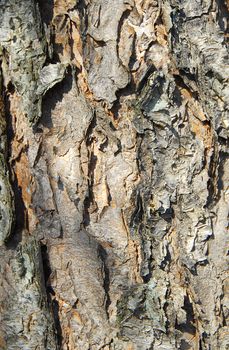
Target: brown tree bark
x=114 y=178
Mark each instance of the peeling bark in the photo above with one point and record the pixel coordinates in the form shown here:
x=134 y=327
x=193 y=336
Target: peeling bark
x=113 y=183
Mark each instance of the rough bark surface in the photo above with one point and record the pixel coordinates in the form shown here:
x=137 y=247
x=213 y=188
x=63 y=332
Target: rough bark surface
x=114 y=174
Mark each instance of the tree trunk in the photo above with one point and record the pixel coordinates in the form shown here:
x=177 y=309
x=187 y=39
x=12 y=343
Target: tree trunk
x=113 y=181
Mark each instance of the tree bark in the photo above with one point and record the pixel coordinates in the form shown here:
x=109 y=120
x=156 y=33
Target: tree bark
x=114 y=174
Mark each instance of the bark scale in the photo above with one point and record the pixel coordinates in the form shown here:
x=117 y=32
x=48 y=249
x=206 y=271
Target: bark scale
x=114 y=153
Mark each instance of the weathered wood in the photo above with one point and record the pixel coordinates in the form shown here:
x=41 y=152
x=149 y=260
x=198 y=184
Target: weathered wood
x=115 y=178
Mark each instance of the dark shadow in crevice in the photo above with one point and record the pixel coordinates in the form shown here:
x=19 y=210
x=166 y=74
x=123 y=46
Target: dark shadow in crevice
x=20 y=217
x=46 y=269
x=184 y=345
x=223 y=156
x=222 y=16
x=147 y=259
x=187 y=327
x=138 y=213
x=213 y=196
x=133 y=57
x=89 y=199
x=46 y=10
x=180 y=83
x=55 y=308
x=200 y=345
x=97 y=43
x=167 y=259
x=186 y=72
x=126 y=91
x=150 y=70
x=86 y=214
x=53 y=303
x=54 y=96
x=82 y=8
x=106 y=282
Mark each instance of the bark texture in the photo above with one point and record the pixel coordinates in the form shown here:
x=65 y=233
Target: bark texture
x=114 y=174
